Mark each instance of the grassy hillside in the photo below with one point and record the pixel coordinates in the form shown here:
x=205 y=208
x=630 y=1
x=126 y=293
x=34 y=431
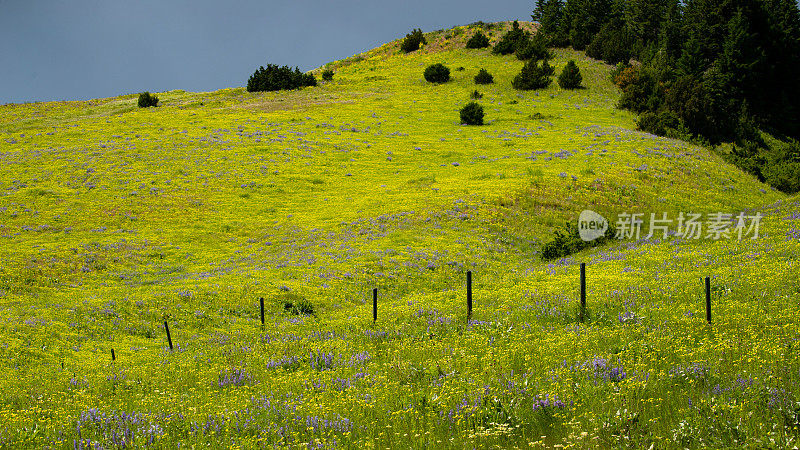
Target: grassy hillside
x=114 y=219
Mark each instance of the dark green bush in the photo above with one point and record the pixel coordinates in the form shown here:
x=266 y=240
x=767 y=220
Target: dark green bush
x=478 y=40
x=437 y=73
x=533 y=76
x=639 y=90
x=570 y=77
x=782 y=169
x=275 y=78
x=327 y=75
x=534 y=48
x=660 y=123
x=777 y=164
x=413 y=41
x=305 y=307
x=476 y=95
x=297 y=305
x=569 y=241
x=748 y=156
x=472 y=114
x=510 y=41
x=783 y=177
x=147 y=100
x=484 y=77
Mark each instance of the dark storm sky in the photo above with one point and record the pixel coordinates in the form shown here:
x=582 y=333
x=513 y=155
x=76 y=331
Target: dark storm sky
x=81 y=49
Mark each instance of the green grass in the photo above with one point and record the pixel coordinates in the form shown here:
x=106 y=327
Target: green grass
x=114 y=219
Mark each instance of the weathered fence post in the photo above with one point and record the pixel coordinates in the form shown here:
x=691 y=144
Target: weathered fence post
x=169 y=337
x=583 y=292
x=708 y=299
x=375 y=304
x=113 y=356
x=469 y=295
x=261 y=301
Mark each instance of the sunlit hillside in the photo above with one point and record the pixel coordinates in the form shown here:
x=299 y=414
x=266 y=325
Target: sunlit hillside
x=115 y=219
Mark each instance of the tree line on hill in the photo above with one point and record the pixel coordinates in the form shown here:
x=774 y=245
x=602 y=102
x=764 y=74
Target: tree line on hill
x=711 y=71
x=708 y=71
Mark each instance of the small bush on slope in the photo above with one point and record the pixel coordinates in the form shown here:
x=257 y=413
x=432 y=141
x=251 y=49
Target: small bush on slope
x=437 y=73
x=147 y=100
x=569 y=241
x=413 y=41
x=472 y=114
x=478 y=40
x=484 y=77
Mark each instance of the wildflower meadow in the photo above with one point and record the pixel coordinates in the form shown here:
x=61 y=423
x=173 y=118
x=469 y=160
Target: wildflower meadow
x=115 y=220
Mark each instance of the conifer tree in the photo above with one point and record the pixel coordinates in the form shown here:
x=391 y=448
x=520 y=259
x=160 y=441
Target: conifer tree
x=511 y=41
x=570 y=77
x=478 y=40
x=551 y=18
x=533 y=76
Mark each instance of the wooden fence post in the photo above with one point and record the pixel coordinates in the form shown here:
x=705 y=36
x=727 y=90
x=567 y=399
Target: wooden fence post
x=583 y=292
x=169 y=337
x=261 y=301
x=708 y=299
x=469 y=295
x=375 y=304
